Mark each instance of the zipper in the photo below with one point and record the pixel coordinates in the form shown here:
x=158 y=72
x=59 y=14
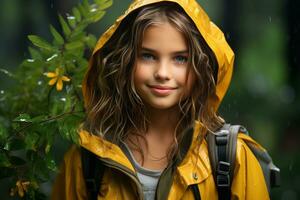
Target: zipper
x=167 y=175
x=126 y=171
x=162 y=176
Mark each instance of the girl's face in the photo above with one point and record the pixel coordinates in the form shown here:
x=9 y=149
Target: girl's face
x=161 y=75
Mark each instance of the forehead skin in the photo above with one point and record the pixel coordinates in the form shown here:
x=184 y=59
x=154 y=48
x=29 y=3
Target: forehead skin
x=164 y=38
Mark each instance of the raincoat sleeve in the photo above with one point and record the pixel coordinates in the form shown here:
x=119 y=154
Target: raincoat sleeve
x=248 y=182
x=69 y=183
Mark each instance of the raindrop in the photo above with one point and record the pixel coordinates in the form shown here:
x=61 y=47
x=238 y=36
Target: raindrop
x=63 y=99
x=50 y=58
x=70 y=17
x=30 y=60
x=93 y=10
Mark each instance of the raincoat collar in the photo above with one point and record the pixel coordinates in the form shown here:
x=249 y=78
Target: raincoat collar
x=193 y=166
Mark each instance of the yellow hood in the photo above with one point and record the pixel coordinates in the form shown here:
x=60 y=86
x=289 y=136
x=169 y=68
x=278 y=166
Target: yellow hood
x=213 y=36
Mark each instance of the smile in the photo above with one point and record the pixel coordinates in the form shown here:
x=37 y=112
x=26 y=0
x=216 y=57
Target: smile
x=161 y=90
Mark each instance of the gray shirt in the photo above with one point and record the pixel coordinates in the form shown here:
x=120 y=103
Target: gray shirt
x=148 y=178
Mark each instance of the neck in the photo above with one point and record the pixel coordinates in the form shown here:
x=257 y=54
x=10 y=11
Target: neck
x=162 y=121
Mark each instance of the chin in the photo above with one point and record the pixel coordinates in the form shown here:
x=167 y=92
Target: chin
x=162 y=106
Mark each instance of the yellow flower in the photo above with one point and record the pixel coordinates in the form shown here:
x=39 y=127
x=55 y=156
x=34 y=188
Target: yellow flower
x=21 y=188
x=57 y=78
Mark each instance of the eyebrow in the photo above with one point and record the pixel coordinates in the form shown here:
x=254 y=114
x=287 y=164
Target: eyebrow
x=152 y=50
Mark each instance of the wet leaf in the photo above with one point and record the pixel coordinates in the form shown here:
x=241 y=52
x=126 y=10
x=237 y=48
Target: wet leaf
x=23 y=118
x=96 y=17
x=3 y=133
x=40 y=42
x=4 y=161
x=39 y=118
x=91 y=41
x=31 y=139
x=77 y=14
x=64 y=25
x=104 y=4
x=35 y=54
x=57 y=37
x=72 y=21
x=74 y=45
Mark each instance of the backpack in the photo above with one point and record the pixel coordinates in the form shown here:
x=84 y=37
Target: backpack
x=222 y=153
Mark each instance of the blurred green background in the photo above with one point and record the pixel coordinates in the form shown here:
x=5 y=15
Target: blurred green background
x=264 y=95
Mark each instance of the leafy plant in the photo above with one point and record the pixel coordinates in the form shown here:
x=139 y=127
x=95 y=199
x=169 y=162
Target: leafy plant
x=46 y=104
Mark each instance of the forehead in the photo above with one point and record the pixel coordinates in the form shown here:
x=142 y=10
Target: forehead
x=164 y=37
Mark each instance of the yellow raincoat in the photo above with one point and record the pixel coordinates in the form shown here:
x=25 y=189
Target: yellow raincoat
x=120 y=180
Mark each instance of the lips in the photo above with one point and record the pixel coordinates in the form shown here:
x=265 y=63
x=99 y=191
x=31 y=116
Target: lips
x=161 y=90
x=160 y=87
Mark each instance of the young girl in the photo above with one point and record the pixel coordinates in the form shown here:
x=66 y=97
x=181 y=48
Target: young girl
x=155 y=81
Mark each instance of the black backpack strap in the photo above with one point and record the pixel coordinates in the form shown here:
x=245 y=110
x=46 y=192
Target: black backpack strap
x=196 y=191
x=222 y=154
x=93 y=171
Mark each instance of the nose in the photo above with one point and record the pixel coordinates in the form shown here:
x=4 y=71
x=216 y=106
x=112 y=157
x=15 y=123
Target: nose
x=163 y=71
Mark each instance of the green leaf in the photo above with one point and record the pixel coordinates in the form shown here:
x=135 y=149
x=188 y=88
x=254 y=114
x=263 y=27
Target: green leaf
x=83 y=11
x=35 y=54
x=23 y=118
x=4 y=161
x=97 y=16
x=3 y=133
x=39 y=42
x=31 y=140
x=77 y=14
x=74 y=45
x=68 y=127
x=64 y=25
x=77 y=34
x=51 y=163
x=57 y=37
x=72 y=20
x=39 y=118
x=86 y=4
x=104 y=4
x=90 y=40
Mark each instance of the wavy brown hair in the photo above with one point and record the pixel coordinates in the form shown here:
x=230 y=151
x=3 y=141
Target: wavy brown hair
x=115 y=110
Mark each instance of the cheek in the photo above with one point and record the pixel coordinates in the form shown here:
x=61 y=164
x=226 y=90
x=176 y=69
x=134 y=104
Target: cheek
x=139 y=75
x=185 y=77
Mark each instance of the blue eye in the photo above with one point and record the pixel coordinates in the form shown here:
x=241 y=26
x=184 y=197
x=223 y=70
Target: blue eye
x=181 y=59
x=147 y=56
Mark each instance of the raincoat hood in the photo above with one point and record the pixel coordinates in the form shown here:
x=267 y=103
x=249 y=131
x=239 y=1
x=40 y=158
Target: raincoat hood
x=213 y=36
